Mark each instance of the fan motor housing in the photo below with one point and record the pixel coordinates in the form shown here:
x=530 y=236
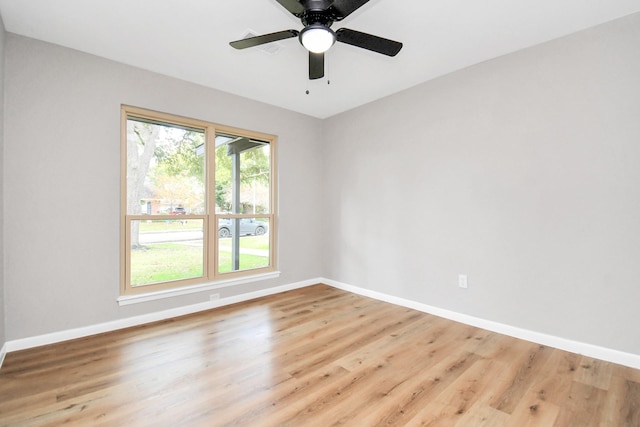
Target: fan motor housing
x=316 y=5
x=316 y=18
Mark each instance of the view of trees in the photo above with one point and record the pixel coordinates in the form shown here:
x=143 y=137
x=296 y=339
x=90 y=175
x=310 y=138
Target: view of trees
x=254 y=180
x=166 y=170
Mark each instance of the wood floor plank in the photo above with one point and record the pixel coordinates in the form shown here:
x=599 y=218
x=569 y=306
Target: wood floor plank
x=393 y=369
x=540 y=414
x=483 y=415
x=630 y=409
x=525 y=368
x=594 y=372
x=315 y=356
x=412 y=396
x=582 y=406
x=540 y=405
x=471 y=386
x=621 y=403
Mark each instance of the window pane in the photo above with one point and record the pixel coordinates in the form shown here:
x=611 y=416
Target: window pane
x=242 y=175
x=243 y=244
x=163 y=251
x=165 y=169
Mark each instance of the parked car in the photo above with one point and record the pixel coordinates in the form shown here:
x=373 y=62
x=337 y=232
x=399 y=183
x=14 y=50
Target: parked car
x=178 y=211
x=248 y=226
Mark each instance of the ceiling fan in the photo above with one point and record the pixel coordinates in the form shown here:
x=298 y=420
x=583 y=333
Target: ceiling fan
x=317 y=37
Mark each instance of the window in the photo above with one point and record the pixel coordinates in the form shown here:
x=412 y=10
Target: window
x=198 y=202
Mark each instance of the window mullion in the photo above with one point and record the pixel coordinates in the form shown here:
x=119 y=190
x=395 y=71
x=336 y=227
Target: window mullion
x=211 y=248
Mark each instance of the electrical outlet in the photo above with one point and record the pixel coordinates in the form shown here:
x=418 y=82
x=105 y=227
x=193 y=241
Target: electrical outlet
x=462 y=281
x=213 y=297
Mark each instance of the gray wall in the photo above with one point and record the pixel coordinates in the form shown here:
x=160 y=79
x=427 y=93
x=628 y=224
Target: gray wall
x=2 y=305
x=62 y=183
x=522 y=172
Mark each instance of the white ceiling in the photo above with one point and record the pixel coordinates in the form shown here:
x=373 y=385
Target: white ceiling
x=189 y=39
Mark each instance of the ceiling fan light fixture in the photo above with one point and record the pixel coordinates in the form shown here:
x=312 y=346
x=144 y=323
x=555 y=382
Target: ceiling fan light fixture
x=317 y=17
x=317 y=38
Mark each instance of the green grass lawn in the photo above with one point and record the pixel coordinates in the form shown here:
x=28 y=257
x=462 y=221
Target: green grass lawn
x=163 y=262
x=248 y=242
x=247 y=261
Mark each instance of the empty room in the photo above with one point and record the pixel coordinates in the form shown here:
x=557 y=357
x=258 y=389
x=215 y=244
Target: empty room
x=320 y=212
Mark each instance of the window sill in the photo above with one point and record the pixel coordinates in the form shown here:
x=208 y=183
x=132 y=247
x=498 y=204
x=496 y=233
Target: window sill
x=169 y=293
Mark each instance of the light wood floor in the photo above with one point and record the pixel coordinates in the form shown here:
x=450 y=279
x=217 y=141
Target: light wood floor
x=315 y=356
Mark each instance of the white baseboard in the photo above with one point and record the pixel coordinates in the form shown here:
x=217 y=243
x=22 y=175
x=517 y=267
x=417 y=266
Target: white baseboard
x=590 y=350
x=3 y=353
x=54 y=337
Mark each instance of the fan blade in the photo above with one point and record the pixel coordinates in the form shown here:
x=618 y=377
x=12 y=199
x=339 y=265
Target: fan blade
x=293 y=6
x=368 y=41
x=316 y=65
x=344 y=8
x=265 y=38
